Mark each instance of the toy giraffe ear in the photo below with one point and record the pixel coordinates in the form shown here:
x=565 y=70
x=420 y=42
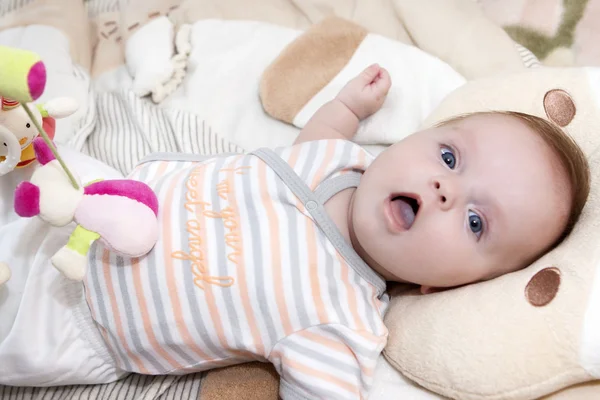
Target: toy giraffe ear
x=42 y=151
x=559 y=107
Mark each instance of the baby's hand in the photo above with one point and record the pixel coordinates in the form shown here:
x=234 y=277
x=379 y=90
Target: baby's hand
x=364 y=95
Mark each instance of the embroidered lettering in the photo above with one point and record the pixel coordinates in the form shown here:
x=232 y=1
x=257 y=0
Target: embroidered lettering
x=196 y=256
x=200 y=209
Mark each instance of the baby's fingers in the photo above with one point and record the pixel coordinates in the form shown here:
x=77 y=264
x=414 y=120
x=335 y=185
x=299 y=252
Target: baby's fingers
x=383 y=82
x=369 y=75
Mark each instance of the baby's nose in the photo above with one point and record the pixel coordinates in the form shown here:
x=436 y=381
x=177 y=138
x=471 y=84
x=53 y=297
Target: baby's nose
x=438 y=187
x=445 y=192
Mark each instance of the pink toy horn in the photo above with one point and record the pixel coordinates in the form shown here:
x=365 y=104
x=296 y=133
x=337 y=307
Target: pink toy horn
x=42 y=151
x=27 y=200
x=36 y=79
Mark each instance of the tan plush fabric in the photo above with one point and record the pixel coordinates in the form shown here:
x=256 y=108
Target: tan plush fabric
x=108 y=39
x=307 y=65
x=561 y=33
x=139 y=12
x=578 y=392
x=252 y=381
x=280 y=12
x=377 y=16
x=69 y=16
x=457 y=32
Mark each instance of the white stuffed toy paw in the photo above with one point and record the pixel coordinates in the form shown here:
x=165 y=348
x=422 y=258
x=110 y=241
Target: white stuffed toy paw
x=179 y=63
x=4 y=273
x=151 y=66
x=157 y=57
x=61 y=107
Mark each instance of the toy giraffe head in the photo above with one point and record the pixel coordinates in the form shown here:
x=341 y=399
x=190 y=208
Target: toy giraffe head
x=22 y=79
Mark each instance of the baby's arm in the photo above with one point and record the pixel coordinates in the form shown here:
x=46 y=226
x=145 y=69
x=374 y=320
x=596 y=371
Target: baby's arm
x=360 y=98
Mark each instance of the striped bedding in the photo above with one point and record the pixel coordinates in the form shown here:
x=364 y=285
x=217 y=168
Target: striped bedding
x=146 y=387
x=7 y=6
x=120 y=129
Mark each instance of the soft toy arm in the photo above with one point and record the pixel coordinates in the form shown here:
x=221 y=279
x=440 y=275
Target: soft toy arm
x=60 y=107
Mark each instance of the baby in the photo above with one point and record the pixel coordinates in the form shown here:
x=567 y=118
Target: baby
x=283 y=255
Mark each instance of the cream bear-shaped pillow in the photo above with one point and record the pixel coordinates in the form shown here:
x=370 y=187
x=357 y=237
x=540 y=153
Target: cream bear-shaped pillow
x=535 y=331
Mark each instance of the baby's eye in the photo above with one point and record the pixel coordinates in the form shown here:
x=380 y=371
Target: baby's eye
x=475 y=223
x=448 y=157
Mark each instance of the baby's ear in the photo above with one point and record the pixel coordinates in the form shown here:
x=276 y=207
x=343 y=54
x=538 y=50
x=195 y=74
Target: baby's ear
x=431 y=289
x=428 y=290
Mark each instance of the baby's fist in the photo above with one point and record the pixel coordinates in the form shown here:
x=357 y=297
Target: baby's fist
x=364 y=95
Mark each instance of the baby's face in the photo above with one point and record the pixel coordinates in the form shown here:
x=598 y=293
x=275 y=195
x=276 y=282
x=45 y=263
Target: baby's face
x=460 y=203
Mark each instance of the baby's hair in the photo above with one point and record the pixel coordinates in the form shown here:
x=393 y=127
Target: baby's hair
x=570 y=157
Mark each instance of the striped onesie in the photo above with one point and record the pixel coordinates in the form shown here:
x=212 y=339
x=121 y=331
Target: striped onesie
x=248 y=266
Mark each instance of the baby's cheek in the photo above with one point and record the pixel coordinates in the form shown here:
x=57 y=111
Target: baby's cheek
x=447 y=262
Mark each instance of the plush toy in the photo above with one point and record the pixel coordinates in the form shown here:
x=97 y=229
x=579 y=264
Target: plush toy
x=120 y=213
x=524 y=335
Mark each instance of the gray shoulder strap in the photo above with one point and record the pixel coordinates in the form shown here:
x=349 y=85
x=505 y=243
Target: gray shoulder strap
x=330 y=187
x=322 y=219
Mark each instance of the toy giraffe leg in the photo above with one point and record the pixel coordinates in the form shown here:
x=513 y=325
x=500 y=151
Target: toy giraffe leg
x=71 y=260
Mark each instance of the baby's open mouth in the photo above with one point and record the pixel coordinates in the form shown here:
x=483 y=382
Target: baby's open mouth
x=404 y=209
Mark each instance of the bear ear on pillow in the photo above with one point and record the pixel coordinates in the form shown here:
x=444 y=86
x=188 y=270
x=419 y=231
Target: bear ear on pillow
x=533 y=332
x=560 y=107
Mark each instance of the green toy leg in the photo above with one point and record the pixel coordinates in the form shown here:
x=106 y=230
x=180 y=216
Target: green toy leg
x=71 y=260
